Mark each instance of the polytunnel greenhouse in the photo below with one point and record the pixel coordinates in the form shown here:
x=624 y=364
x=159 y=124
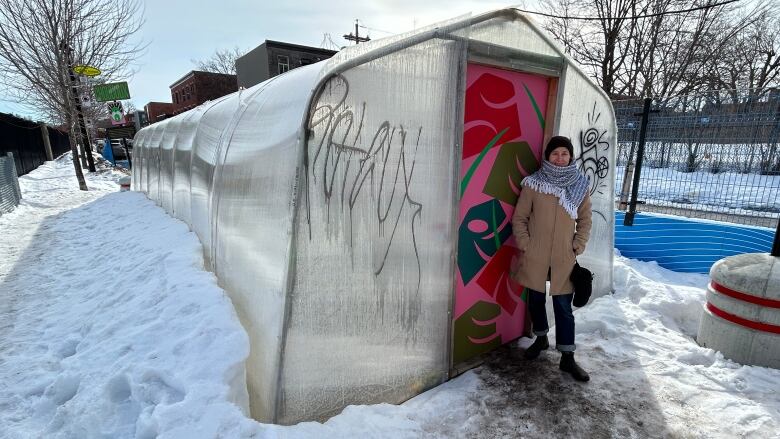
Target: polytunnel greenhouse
x=357 y=211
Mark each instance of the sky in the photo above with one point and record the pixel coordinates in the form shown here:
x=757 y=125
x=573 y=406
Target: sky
x=178 y=32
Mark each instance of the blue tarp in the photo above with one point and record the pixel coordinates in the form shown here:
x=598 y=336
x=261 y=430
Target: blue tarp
x=108 y=152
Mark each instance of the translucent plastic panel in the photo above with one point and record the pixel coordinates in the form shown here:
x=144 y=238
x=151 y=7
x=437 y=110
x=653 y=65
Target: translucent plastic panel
x=253 y=192
x=204 y=154
x=587 y=117
x=182 y=166
x=511 y=30
x=153 y=164
x=137 y=154
x=166 y=162
x=374 y=239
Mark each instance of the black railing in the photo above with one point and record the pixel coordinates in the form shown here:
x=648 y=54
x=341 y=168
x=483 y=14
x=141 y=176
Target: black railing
x=714 y=155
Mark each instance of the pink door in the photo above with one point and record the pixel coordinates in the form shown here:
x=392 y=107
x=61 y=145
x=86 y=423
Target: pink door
x=502 y=143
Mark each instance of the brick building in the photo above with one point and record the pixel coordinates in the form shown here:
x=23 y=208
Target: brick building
x=273 y=58
x=157 y=111
x=197 y=87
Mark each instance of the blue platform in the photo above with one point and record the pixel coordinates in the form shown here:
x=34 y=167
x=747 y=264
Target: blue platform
x=687 y=245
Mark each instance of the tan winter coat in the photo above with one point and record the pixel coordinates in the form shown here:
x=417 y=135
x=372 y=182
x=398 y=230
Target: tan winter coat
x=546 y=235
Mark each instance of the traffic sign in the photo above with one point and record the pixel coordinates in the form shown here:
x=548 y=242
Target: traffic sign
x=117 y=116
x=86 y=70
x=120 y=132
x=114 y=91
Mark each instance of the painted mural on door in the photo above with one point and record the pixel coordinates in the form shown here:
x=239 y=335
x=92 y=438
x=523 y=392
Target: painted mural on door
x=502 y=143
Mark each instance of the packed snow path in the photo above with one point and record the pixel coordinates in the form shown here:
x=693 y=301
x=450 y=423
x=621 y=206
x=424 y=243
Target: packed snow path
x=109 y=327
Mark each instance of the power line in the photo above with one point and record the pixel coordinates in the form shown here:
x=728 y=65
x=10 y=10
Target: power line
x=377 y=30
x=632 y=17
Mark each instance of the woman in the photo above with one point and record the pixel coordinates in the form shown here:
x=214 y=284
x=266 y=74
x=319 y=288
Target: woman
x=551 y=225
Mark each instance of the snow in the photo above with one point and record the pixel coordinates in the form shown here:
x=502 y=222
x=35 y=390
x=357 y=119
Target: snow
x=110 y=327
x=727 y=192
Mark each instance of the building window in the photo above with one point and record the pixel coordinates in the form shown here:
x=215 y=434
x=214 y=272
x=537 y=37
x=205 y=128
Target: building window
x=283 y=63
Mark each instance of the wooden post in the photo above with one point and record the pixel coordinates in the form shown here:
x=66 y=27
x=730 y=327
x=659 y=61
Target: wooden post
x=46 y=142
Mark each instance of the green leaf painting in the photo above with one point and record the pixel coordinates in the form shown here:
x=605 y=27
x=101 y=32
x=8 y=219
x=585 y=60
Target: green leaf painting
x=539 y=115
x=506 y=169
x=470 y=173
x=472 y=335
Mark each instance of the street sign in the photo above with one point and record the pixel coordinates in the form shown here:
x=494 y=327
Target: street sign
x=86 y=70
x=127 y=132
x=114 y=91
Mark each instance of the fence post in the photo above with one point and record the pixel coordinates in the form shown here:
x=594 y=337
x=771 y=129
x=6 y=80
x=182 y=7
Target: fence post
x=127 y=153
x=776 y=245
x=628 y=175
x=15 y=177
x=46 y=142
x=628 y=220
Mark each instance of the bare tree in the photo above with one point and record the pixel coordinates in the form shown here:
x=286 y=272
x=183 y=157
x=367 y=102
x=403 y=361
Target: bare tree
x=750 y=60
x=222 y=61
x=649 y=47
x=41 y=40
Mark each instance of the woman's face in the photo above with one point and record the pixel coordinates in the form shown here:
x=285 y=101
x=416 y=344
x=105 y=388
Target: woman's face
x=560 y=156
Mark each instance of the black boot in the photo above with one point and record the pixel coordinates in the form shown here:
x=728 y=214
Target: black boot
x=536 y=347
x=569 y=365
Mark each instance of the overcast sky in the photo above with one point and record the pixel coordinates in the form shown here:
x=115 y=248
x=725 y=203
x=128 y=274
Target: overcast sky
x=179 y=31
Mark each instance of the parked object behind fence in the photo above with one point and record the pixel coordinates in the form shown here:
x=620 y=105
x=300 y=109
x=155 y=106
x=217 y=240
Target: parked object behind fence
x=10 y=193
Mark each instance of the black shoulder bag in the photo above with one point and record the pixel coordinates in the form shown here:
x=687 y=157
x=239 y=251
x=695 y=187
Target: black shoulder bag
x=582 y=279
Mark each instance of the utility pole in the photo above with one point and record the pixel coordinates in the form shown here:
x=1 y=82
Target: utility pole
x=356 y=38
x=82 y=127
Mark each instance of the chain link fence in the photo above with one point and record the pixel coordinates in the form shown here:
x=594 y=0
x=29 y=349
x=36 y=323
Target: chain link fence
x=10 y=193
x=713 y=155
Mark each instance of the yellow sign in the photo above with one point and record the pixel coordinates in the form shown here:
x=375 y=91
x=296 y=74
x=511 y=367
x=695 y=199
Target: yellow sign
x=86 y=70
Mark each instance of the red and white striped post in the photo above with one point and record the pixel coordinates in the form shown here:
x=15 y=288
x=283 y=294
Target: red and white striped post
x=742 y=314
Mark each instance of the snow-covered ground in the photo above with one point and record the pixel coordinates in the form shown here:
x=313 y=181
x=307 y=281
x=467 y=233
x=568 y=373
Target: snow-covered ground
x=109 y=327
x=726 y=192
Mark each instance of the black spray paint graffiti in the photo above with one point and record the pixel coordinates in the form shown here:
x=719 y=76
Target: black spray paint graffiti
x=593 y=160
x=338 y=159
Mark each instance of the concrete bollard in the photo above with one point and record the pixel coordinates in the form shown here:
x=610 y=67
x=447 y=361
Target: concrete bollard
x=742 y=314
x=124 y=183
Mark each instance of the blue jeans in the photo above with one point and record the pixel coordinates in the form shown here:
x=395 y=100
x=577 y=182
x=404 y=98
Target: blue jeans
x=564 y=318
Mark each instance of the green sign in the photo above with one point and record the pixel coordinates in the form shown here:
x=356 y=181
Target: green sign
x=111 y=92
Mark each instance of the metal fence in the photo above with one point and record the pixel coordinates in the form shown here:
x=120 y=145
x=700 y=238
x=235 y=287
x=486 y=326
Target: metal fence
x=714 y=155
x=10 y=193
x=25 y=139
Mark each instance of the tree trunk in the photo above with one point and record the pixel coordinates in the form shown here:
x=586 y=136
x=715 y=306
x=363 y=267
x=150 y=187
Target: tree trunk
x=75 y=152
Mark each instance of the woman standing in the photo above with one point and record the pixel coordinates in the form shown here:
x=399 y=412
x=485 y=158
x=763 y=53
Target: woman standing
x=551 y=225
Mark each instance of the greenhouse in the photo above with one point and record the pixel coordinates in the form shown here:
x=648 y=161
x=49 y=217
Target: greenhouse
x=357 y=211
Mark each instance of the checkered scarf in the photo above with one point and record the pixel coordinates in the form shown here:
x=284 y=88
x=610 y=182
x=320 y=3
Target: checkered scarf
x=565 y=182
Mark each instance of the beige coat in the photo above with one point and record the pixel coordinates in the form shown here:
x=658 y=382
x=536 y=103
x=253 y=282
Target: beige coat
x=547 y=236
